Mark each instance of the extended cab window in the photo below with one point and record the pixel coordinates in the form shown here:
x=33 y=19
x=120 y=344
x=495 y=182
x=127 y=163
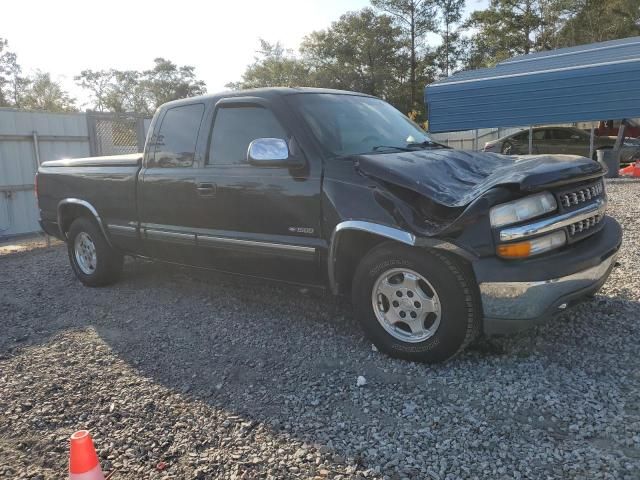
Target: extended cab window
x=176 y=142
x=235 y=127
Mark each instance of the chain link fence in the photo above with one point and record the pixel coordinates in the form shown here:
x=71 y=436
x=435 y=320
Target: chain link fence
x=115 y=134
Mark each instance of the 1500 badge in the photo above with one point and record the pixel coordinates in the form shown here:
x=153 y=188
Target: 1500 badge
x=307 y=230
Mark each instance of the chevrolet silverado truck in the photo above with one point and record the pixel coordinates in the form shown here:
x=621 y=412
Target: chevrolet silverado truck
x=340 y=190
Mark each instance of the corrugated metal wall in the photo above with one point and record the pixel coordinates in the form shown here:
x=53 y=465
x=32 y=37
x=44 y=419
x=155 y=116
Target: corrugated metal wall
x=580 y=84
x=25 y=138
x=58 y=136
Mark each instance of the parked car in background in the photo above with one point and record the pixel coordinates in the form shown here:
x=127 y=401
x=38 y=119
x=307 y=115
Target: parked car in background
x=561 y=140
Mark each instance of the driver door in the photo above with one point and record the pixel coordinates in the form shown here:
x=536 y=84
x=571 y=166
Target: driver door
x=254 y=219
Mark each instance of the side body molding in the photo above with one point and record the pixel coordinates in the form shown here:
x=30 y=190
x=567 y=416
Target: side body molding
x=370 y=227
x=88 y=206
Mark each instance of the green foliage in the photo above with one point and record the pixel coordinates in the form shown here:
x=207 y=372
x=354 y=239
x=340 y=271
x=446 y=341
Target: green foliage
x=591 y=21
x=507 y=28
x=140 y=92
x=38 y=92
x=416 y=18
x=98 y=82
x=450 y=51
x=361 y=52
x=274 y=67
x=12 y=84
x=516 y=27
x=166 y=81
x=47 y=95
x=3 y=72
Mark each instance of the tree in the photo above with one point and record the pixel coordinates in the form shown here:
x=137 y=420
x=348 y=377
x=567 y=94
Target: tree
x=98 y=83
x=11 y=80
x=358 y=52
x=416 y=18
x=450 y=13
x=273 y=67
x=591 y=21
x=128 y=93
x=512 y=27
x=47 y=94
x=140 y=92
x=17 y=85
x=166 y=81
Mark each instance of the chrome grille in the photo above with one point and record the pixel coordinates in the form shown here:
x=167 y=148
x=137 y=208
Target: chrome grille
x=584 y=225
x=584 y=194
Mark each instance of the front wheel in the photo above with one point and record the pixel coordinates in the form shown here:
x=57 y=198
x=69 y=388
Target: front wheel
x=93 y=261
x=416 y=304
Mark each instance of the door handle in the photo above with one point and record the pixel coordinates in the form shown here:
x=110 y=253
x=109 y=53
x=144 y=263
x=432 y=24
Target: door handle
x=206 y=189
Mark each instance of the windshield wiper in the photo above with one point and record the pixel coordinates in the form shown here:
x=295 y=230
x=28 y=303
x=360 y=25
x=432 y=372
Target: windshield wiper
x=426 y=144
x=392 y=147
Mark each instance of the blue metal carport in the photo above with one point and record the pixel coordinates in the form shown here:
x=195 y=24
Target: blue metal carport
x=592 y=82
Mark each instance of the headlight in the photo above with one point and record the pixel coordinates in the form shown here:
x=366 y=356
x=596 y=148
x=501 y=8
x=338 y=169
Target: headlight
x=524 y=209
x=532 y=247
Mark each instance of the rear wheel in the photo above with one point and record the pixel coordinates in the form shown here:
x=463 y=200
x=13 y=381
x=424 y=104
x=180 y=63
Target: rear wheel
x=93 y=261
x=416 y=304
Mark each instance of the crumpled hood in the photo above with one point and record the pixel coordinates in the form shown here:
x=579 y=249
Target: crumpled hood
x=454 y=178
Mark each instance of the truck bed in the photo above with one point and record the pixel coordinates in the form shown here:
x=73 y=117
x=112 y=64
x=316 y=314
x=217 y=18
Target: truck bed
x=107 y=184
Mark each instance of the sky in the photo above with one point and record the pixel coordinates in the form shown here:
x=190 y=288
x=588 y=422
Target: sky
x=219 y=38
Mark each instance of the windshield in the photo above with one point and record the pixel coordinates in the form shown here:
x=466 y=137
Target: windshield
x=351 y=124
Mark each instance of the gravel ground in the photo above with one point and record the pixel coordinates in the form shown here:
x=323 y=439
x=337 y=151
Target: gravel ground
x=181 y=374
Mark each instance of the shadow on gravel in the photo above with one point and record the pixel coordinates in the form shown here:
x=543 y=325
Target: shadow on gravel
x=281 y=355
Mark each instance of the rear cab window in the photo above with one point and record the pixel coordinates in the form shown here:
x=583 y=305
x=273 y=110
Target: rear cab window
x=175 y=145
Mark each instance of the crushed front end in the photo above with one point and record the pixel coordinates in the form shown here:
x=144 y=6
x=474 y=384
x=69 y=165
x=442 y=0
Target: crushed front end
x=547 y=263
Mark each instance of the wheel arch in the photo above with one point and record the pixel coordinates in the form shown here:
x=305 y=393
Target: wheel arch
x=71 y=208
x=353 y=239
x=350 y=241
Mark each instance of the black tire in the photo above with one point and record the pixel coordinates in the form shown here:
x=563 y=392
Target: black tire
x=109 y=262
x=460 y=316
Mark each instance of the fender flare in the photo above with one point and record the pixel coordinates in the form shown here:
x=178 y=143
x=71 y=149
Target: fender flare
x=374 y=228
x=391 y=233
x=89 y=207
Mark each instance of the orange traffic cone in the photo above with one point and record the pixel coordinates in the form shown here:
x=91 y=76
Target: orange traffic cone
x=628 y=170
x=83 y=459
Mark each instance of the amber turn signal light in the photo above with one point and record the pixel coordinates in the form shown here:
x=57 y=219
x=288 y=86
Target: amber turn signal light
x=532 y=247
x=515 y=250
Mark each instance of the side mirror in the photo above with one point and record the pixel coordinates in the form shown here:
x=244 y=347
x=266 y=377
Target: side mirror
x=268 y=152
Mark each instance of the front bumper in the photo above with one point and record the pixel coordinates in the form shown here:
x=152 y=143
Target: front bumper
x=518 y=295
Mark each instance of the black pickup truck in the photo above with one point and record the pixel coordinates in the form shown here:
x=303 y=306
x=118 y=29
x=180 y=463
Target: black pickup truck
x=340 y=190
